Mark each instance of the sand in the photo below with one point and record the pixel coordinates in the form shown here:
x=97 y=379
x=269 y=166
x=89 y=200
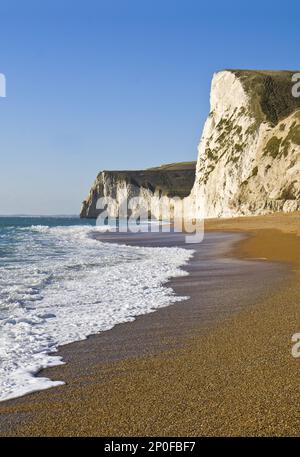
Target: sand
x=233 y=376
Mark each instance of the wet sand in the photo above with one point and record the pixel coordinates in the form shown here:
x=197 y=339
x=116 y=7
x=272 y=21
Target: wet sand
x=217 y=364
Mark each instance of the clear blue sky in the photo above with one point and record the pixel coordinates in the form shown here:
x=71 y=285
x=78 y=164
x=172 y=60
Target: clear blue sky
x=118 y=84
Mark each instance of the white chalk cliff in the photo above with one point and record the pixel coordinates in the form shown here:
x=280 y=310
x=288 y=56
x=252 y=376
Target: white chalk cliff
x=249 y=152
x=248 y=156
x=153 y=188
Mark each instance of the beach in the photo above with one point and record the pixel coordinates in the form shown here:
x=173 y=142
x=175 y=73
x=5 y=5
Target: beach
x=217 y=364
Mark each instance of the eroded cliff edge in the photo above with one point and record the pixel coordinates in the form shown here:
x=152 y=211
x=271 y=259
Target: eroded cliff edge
x=171 y=180
x=249 y=152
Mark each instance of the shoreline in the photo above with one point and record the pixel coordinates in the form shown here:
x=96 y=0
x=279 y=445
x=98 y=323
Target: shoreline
x=35 y=406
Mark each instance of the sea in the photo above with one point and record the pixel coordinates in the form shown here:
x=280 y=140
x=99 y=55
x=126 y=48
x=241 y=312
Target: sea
x=58 y=284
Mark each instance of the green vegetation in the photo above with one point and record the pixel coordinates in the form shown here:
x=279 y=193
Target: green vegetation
x=238 y=129
x=278 y=147
x=270 y=92
x=268 y=167
x=289 y=192
x=175 y=166
x=286 y=144
x=210 y=154
x=233 y=159
x=252 y=128
x=292 y=137
x=238 y=147
x=295 y=135
x=226 y=124
x=272 y=147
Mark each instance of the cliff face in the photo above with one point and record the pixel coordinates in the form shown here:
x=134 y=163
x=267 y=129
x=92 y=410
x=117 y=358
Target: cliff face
x=173 y=180
x=248 y=156
x=249 y=153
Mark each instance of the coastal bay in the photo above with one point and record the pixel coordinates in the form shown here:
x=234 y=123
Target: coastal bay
x=189 y=369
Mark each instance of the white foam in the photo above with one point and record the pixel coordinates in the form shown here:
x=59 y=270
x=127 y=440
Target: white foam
x=62 y=286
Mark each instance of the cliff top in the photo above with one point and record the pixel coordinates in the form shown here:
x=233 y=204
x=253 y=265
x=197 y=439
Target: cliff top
x=270 y=92
x=176 y=166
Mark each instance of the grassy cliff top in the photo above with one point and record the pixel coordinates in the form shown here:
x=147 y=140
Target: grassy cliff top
x=271 y=92
x=176 y=166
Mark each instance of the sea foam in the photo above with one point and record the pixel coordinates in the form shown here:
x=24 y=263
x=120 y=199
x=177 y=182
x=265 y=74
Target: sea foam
x=59 y=285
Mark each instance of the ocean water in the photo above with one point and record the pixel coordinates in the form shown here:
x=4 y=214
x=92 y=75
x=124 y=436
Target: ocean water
x=59 y=285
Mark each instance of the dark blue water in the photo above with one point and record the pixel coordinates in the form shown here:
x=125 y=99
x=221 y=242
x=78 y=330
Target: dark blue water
x=51 y=221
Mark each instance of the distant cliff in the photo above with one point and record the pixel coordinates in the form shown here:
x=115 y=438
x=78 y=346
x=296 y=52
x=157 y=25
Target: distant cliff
x=171 y=180
x=249 y=153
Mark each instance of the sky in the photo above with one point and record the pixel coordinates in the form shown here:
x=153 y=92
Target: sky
x=118 y=84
